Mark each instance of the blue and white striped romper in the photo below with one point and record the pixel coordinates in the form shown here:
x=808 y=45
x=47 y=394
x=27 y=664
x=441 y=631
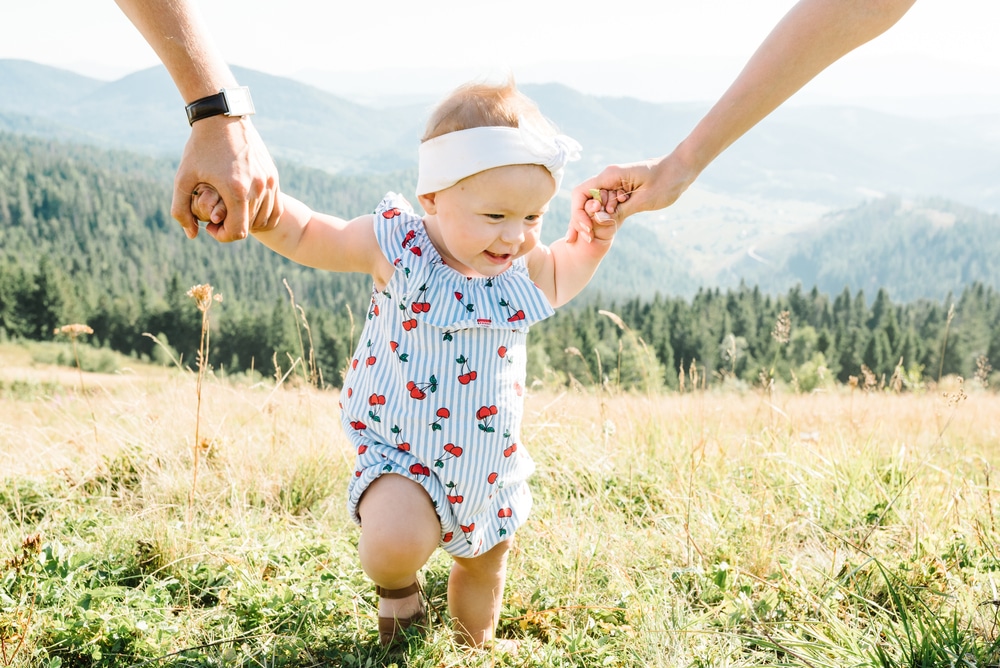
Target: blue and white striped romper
x=435 y=390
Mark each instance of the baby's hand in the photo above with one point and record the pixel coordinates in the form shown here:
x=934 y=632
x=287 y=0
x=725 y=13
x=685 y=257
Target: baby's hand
x=602 y=226
x=207 y=204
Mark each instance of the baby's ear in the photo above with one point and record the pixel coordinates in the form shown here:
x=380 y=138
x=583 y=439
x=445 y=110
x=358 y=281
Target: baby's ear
x=428 y=203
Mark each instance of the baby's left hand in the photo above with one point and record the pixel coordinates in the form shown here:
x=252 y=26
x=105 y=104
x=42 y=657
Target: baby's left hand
x=207 y=204
x=603 y=226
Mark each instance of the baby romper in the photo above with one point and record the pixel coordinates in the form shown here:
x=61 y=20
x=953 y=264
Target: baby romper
x=435 y=390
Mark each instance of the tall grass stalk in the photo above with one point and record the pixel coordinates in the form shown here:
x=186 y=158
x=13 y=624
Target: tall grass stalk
x=74 y=331
x=204 y=298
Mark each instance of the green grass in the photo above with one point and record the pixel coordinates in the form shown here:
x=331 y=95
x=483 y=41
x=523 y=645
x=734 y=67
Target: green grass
x=711 y=529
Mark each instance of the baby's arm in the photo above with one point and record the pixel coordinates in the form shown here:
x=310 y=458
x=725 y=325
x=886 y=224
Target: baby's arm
x=309 y=238
x=565 y=268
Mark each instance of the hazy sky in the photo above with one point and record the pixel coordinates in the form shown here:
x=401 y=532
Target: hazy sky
x=663 y=50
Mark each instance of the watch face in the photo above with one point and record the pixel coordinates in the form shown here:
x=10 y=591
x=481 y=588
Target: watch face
x=238 y=100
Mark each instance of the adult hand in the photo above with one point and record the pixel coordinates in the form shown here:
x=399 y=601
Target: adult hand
x=228 y=154
x=628 y=189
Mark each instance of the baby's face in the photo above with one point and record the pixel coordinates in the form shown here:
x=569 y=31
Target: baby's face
x=484 y=222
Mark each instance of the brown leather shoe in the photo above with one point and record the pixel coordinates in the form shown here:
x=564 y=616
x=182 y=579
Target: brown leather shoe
x=390 y=629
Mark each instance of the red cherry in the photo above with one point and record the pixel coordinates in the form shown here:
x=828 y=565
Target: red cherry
x=362 y=449
x=464 y=379
x=419 y=469
x=504 y=512
x=350 y=392
x=393 y=345
x=409 y=324
x=483 y=412
x=493 y=410
x=458 y=296
x=492 y=478
x=472 y=375
x=354 y=364
x=405 y=447
x=510 y=450
x=518 y=390
x=375 y=310
x=443 y=413
x=357 y=474
x=447 y=537
x=417 y=393
x=370 y=361
x=468 y=529
x=502 y=351
x=416 y=250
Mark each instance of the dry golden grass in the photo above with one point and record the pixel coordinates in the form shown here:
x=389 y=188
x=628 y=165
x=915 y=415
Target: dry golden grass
x=709 y=528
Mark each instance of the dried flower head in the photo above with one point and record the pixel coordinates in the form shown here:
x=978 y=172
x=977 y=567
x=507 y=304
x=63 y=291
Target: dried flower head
x=958 y=396
x=782 y=328
x=983 y=370
x=73 y=330
x=870 y=379
x=202 y=294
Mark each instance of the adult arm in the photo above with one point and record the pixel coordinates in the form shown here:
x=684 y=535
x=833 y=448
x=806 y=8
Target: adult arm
x=225 y=152
x=811 y=36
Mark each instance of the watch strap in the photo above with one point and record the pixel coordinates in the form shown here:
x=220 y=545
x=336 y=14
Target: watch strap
x=206 y=107
x=228 y=101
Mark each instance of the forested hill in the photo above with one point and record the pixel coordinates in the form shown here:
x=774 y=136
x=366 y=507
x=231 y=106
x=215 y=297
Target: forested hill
x=86 y=236
x=923 y=249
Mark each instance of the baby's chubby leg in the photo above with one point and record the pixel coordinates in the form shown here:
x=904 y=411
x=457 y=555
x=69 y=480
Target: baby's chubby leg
x=399 y=532
x=475 y=594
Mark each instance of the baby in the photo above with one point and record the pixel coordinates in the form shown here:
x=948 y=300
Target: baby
x=434 y=395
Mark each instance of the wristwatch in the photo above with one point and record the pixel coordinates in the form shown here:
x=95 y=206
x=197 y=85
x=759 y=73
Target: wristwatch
x=228 y=101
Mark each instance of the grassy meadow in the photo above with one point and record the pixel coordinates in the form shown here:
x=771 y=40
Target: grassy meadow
x=712 y=528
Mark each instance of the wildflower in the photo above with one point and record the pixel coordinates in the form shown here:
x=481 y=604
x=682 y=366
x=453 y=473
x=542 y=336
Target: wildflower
x=73 y=330
x=202 y=294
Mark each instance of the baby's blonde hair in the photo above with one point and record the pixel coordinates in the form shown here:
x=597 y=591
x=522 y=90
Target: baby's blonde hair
x=480 y=105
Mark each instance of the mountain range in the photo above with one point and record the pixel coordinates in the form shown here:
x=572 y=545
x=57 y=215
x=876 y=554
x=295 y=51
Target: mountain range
x=778 y=207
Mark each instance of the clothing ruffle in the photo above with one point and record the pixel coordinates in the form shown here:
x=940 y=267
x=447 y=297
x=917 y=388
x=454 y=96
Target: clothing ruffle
x=434 y=293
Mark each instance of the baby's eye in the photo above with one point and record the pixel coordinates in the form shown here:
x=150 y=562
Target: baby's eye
x=495 y=216
x=533 y=219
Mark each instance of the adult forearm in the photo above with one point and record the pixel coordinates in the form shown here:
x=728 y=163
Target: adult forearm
x=811 y=36
x=176 y=32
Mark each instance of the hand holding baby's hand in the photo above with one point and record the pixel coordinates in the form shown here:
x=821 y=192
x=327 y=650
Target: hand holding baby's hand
x=601 y=226
x=207 y=204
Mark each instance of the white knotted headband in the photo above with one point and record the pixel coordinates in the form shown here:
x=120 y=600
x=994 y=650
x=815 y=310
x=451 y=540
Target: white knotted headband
x=447 y=159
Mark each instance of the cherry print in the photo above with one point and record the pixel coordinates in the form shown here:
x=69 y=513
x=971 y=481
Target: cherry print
x=461 y=298
x=400 y=443
x=468 y=374
x=420 y=469
x=485 y=416
x=442 y=414
x=389 y=214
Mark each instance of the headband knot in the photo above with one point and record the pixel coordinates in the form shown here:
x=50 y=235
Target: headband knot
x=447 y=159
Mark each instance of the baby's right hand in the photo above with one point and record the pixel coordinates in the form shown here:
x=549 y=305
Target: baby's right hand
x=207 y=204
